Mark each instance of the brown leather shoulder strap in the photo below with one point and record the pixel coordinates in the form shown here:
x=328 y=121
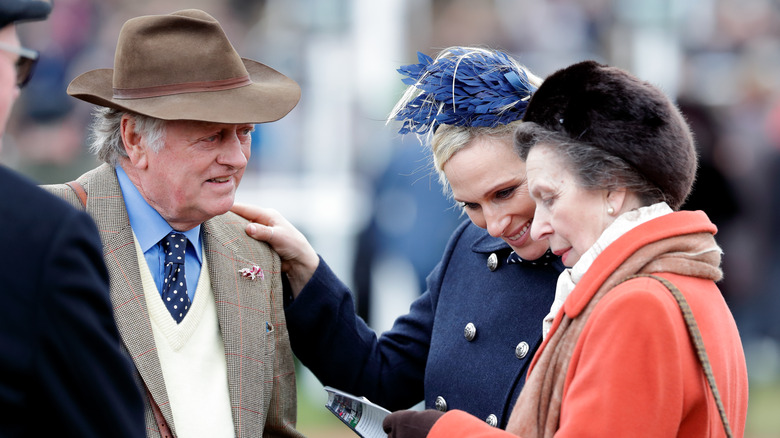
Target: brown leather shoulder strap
x=698 y=343
x=165 y=431
x=80 y=192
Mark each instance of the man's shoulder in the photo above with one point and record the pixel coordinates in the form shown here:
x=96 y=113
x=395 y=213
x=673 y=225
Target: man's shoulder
x=228 y=222
x=231 y=229
x=96 y=182
x=226 y=241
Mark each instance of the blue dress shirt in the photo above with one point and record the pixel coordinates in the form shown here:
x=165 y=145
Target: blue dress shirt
x=149 y=227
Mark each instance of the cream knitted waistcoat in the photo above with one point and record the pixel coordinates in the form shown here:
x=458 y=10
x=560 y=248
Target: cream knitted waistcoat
x=192 y=357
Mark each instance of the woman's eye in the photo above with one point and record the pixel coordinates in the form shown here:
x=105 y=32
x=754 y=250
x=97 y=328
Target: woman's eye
x=468 y=205
x=505 y=193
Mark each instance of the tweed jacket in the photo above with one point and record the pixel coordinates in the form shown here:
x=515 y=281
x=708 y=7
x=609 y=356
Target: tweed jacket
x=260 y=365
x=426 y=354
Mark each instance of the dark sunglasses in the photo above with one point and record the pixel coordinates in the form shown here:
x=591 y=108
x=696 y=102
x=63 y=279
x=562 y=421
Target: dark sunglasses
x=24 y=64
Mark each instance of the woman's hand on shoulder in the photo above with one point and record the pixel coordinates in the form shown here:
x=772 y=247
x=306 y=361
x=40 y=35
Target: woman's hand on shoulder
x=299 y=259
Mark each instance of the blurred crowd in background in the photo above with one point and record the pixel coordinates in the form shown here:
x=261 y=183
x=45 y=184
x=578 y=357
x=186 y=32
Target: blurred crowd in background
x=368 y=199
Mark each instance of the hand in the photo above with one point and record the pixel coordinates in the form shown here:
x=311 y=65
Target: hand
x=299 y=260
x=410 y=424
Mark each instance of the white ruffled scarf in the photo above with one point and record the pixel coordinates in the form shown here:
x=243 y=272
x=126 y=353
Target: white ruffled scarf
x=621 y=225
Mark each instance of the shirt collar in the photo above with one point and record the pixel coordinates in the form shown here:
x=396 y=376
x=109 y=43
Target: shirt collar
x=149 y=227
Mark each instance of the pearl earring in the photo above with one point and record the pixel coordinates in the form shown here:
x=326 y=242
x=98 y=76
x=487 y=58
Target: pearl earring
x=610 y=211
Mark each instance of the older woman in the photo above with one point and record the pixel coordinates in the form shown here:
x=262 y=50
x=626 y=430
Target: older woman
x=467 y=341
x=609 y=161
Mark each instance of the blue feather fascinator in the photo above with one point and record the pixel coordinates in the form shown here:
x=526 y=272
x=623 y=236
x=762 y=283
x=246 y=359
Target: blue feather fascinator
x=465 y=87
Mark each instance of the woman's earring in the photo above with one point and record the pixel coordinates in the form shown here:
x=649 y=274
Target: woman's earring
x=610 y=211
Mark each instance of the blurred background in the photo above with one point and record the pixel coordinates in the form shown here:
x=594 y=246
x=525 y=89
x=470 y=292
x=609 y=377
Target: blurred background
x=368 y=199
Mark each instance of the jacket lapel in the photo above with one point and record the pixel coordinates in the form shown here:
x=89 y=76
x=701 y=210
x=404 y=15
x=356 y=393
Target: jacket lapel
x=241 y=310
x=106 y=205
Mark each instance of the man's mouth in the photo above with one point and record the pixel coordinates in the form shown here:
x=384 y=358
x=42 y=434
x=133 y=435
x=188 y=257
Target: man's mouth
x=220 y=180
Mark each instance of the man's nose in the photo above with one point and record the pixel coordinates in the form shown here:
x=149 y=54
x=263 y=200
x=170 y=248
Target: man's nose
x=234 y=153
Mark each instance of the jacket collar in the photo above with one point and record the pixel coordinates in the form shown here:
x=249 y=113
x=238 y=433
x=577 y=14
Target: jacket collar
x=487 y=244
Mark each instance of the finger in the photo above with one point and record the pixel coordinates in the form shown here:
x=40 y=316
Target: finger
x=260 y=232
x=253 y=213
x=387 y=425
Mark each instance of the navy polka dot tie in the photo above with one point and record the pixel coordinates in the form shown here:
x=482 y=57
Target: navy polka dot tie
x=174 y=289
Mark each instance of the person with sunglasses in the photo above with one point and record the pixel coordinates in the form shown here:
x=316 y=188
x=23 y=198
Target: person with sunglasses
x=62 y=369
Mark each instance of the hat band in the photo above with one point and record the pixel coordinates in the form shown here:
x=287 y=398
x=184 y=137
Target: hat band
x=189 y=87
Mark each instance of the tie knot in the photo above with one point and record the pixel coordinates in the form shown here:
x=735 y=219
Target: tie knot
x=174 y=245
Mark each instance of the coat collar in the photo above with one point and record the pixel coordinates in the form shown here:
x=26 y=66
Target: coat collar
x=488 y=244
x=673 y=224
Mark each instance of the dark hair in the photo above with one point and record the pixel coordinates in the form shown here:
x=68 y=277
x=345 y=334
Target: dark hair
x=594 y=168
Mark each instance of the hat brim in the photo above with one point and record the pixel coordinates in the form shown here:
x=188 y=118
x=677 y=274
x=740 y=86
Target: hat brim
x=269 y=98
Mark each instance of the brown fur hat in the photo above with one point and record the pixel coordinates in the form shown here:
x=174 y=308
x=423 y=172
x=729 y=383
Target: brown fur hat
x=609 y=108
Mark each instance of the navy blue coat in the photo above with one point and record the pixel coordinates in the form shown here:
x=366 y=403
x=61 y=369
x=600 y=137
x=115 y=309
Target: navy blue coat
x=426 y=354
x=62 y=370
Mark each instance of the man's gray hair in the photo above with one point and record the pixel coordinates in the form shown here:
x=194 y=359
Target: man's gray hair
x=106 y=135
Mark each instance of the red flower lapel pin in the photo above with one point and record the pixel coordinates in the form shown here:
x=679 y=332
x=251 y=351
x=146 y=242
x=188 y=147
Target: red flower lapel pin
x=252 y=273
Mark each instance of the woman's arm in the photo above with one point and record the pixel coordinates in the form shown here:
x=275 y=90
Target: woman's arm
x=327 y=335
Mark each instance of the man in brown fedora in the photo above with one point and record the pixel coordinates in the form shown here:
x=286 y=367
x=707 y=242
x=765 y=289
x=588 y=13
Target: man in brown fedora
x=198 y=303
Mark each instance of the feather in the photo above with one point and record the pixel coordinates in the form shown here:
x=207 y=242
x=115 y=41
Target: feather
x=464 y=87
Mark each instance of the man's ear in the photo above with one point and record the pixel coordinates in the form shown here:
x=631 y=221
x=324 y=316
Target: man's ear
x=136 y=151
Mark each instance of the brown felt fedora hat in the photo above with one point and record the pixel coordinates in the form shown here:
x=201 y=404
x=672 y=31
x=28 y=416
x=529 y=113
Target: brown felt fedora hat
x=182 y=67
